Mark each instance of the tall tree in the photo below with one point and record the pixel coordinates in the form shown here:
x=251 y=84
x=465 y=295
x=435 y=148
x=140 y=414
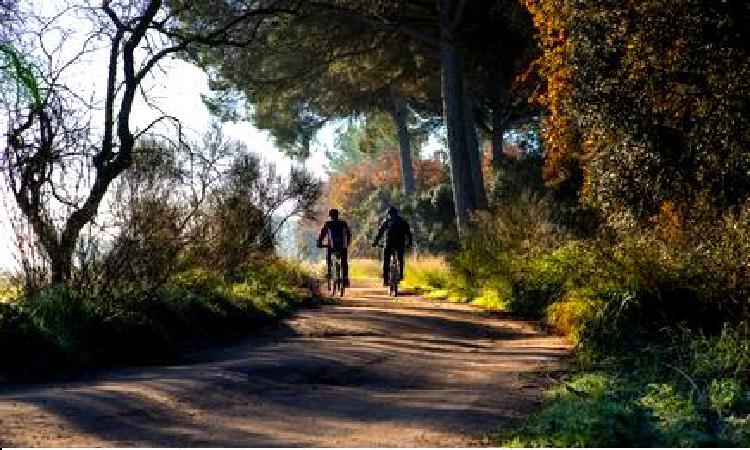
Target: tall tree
x=399 y=113
x=339 y=58
x=51 y=140
x=315 y=68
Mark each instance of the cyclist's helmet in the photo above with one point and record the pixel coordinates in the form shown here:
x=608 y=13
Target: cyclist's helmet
x=392 y=211
x=333 y=213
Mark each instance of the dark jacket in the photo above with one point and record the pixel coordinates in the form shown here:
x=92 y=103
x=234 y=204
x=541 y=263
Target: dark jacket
x=397 y=232
x=337 y=232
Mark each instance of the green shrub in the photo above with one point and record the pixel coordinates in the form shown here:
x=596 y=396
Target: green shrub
x=689 y=389
x=493 y=298
x=587 y=412
x=26 y=351
x=64 y=315
x=724 y=356
x=427 y=273
x=675 y=416
x=137 y=322
x=572 y=315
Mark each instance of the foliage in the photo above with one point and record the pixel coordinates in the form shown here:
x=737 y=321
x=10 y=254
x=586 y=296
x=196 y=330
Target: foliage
x=658 y=313
x=649 y=98
x=316 y=63
x=426 y=272
x=192 y=262
x=671 y=396
x=165 y=227
x=609 y=291
x=243 y=213
x=20 y=78
x=364 y=189
x=63 y=330
x=368 y=137
x=9 y=290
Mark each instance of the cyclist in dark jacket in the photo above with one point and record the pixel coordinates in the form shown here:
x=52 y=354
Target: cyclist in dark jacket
x=397 y=238
x=339 y=238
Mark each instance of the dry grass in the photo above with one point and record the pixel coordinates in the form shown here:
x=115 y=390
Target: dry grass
x=427 y=272
x=364 y=268
x=9 y=291
x=422 y=271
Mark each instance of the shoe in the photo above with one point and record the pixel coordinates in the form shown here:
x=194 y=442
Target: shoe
x=385 y=283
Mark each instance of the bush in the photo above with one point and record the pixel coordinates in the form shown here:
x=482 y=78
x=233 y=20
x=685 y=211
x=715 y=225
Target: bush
x=25 y=351
x=62 y=330
x=617 y=291
x=586 y=412
x=690 y=389
x=427 y=272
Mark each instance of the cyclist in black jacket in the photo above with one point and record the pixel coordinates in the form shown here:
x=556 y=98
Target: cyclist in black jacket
x=339 y=238
x=397 y=238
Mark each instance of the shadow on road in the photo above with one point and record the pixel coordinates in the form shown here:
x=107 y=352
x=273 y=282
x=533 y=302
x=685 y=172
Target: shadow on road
x=352 y=374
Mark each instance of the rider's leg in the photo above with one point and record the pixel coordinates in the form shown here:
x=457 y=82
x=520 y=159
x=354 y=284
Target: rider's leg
x=401 y=261
x=386 y=263
x=329 y=252
x=345 y=265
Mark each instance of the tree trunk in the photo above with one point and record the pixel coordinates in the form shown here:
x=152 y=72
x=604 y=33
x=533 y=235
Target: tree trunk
x=453 y=112
x=407 y=171
x=61 y=262
x=475 y=155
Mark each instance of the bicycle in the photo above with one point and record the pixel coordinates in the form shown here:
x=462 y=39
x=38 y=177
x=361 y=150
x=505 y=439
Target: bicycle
x=336 y=280
x=394 y=274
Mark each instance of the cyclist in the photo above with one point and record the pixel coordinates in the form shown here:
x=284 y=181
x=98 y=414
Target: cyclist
x=397 y=237
x=339 y=238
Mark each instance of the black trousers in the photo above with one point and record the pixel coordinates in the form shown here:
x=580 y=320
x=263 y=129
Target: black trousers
x=389 y=250
x=344 y=261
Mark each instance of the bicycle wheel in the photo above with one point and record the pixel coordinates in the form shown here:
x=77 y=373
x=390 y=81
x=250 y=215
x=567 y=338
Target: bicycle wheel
x=338 y=283
x=393 y=277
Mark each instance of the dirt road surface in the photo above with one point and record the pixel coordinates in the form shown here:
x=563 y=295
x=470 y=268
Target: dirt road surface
x=369 y=371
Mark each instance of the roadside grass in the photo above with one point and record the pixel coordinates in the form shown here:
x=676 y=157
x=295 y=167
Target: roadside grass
x=362 y=268
x=62 y=331
x=433 y=276
x=699 y=398
x=423 y=272
x=427 y=273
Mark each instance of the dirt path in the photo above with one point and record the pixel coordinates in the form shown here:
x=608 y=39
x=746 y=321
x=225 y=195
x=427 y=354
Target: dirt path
x=367 y=372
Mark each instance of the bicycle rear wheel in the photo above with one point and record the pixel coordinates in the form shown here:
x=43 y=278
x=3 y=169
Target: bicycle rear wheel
x=338 y=283
x=393 y=277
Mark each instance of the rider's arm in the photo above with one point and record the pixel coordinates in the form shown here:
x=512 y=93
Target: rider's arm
x=322 y=234
x=380 y=233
